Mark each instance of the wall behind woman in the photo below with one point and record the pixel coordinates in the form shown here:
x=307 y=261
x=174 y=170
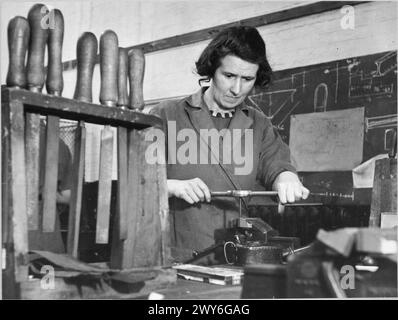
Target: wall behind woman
x=169 y=73
x=304 y=41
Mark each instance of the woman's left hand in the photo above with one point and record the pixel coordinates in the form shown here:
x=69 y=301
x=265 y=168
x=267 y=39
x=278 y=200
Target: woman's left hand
x=289 y=187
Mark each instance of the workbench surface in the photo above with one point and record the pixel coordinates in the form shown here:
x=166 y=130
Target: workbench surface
x=186 y=289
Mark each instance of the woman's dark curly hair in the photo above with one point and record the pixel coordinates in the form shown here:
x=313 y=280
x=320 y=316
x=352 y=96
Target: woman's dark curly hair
x=243 y=42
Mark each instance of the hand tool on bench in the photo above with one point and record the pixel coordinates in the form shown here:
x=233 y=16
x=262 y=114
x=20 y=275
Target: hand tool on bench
x=245 y=222
x=54 y=86
x=122 y=142
x=250 y=223
x=86 y=52
x=281 y=207
x=109 y=56
x=245 y=194
x=35 y=76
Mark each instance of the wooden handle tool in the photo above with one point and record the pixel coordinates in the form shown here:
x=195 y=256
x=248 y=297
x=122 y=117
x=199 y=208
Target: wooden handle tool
x=37 y=45
x=86 y=52
x=123 y=98
x=35 y=77
x=18 y=40
x=122 y=157
x=55 y=81
x=136 y=77
x=54 y=86
x=109 y=55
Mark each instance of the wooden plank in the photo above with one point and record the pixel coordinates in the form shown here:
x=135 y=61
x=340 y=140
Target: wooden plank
x=134 y=200
x=18 y=191
x=148 y=235
x=123 y=211
x=147 y=243
x=122 y=192
x=384 y=195
x=185 y=289
x=76 y=191
x=8 y=281
x=9 y=286
x=50 y=174
x=110 y=288
x=104 y=185
x=393 y=186
x=163 y=208
x=5 y=173
x=80 y=111
x=208 y=33
x=123 y=251
x=32 y=148
x=374 y=218
x=386 y=188
x=165 y=284
x=390 y=184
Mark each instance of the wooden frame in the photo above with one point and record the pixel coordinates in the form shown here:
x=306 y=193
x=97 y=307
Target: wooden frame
x=77 y=110
x=151 y=213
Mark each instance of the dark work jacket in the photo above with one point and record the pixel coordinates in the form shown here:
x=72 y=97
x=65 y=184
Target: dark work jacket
x=198 y=226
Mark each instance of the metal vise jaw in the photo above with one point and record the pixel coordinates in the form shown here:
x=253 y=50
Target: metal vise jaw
x=257 y=228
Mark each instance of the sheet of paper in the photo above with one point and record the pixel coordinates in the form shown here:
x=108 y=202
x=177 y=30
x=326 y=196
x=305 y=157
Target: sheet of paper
x=327 y=141
x=363 y=175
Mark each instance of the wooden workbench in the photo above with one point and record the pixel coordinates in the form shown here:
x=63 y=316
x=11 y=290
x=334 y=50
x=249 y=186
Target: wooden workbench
x=91 y=289
x=185 y=289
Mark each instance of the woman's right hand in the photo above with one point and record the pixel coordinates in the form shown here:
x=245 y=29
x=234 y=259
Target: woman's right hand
x=192 y=191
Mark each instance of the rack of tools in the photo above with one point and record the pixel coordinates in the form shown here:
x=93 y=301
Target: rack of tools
x=139 y=238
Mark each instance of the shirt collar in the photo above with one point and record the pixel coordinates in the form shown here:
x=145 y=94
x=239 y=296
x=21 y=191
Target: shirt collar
x=196 y=100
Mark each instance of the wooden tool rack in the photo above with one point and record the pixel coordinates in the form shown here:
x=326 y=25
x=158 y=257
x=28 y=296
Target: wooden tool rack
x=141 y=231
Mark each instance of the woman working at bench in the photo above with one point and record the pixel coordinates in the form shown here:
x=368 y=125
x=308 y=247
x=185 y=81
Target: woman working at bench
x=214 y=127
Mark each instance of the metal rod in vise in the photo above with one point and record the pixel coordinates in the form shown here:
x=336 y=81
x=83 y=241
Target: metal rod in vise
x=247 y=193
x=242 y=193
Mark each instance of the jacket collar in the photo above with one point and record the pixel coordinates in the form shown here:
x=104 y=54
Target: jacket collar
x=199 y=114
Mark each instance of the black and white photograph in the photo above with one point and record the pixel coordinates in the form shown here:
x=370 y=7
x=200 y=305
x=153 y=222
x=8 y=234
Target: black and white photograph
x=204 y=156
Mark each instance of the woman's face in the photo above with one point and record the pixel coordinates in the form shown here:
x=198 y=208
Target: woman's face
x=232 y=82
